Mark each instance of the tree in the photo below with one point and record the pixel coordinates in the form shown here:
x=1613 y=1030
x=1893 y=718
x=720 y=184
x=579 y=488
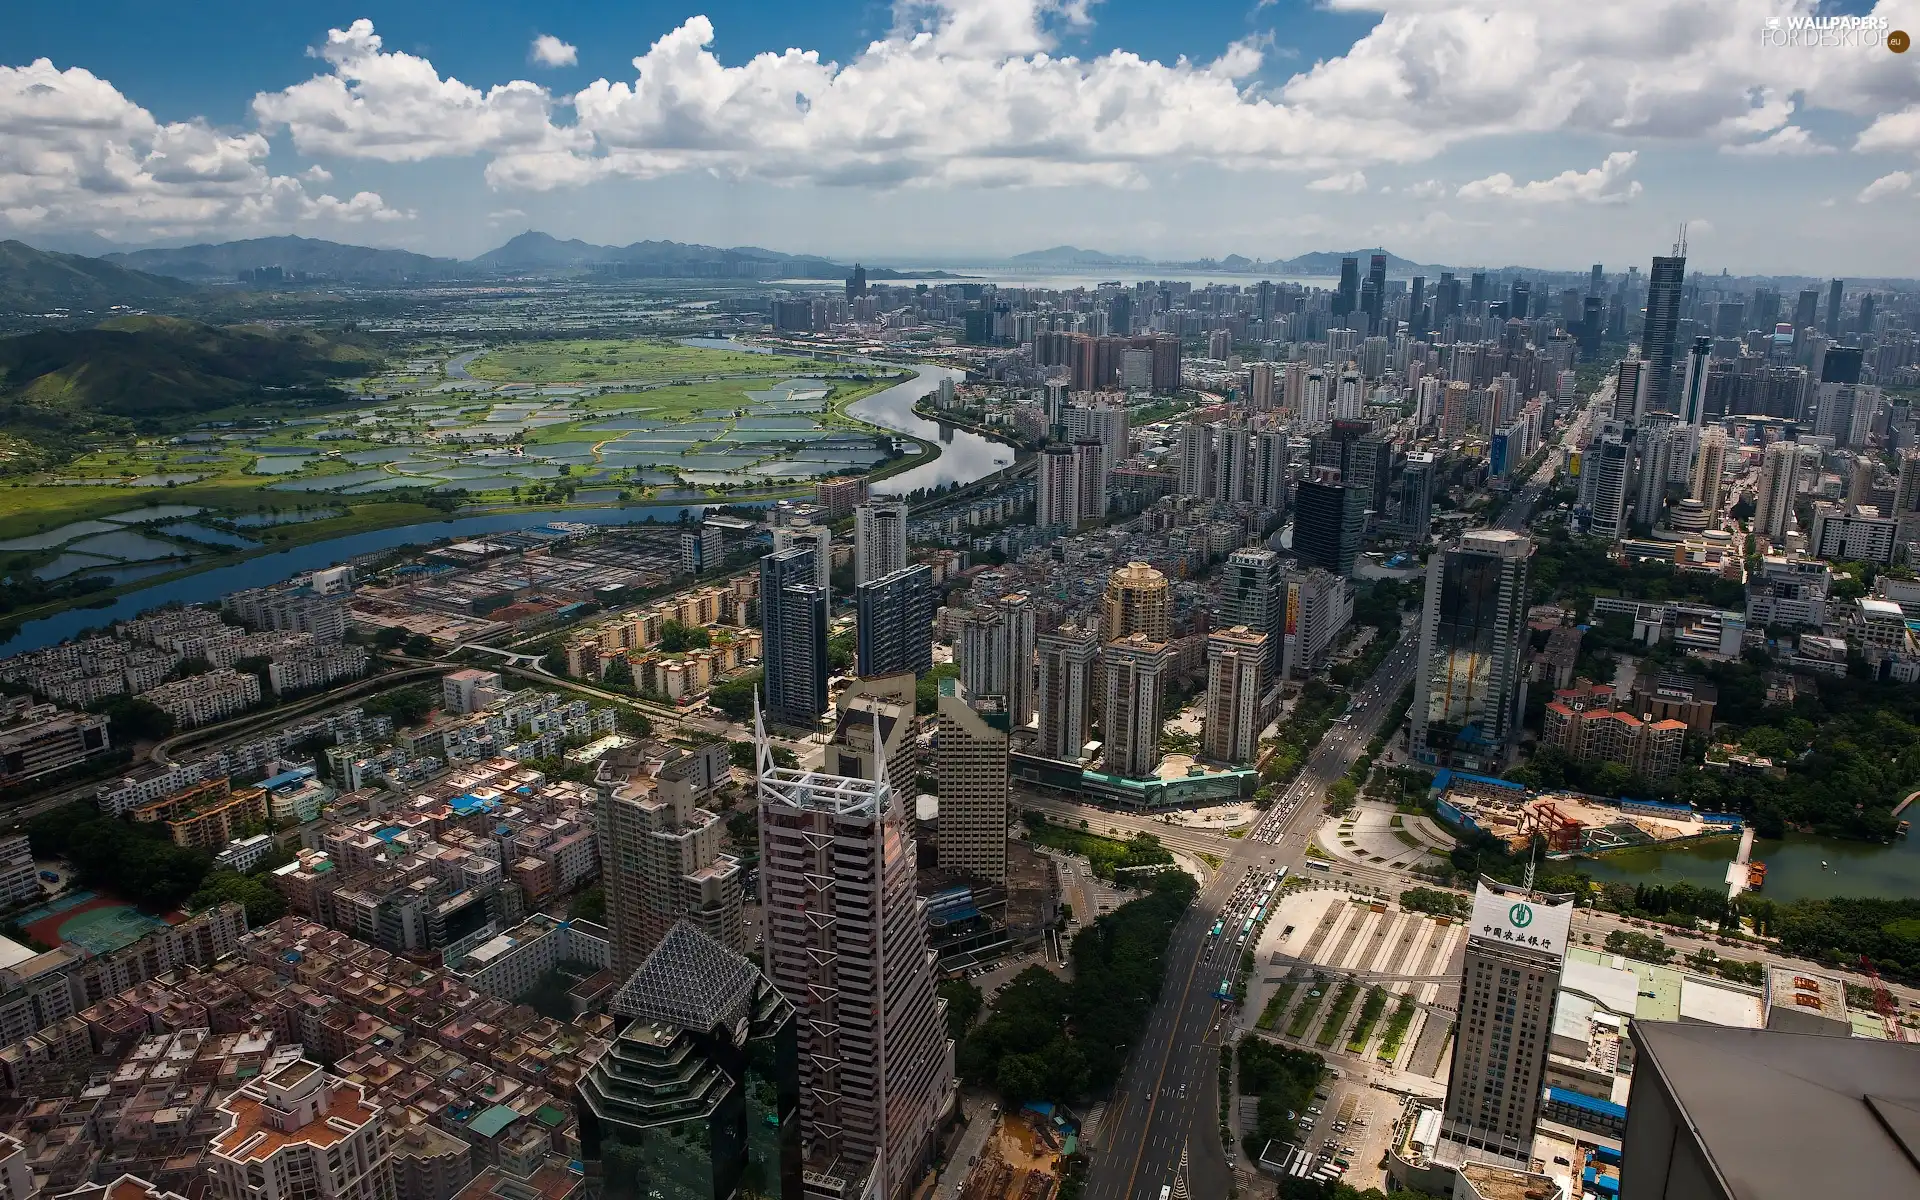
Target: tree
x=735 y=696
x=589 y=904
x=389 y=639
x=406 y=706
x=133 y=719
x=840 y=651
x=419 y=645
x=262 y=901
x=677 y=636
x=619 y=674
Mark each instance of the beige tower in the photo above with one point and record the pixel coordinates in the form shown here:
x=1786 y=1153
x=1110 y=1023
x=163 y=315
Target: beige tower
x=970 y=762
x=1136 y=669
x=1137 y=602
x=1067 y=658
x=300 y=1134
x=1236 y=679
x=1708 y=471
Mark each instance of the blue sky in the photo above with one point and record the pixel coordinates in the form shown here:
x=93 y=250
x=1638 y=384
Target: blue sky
x=1543 y=132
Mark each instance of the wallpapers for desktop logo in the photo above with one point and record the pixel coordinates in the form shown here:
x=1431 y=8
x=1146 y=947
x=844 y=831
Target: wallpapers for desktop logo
x=1864 y=33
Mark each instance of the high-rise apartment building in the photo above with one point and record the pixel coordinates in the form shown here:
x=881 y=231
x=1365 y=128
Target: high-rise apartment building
x=970 y=763
x=1057 y=488
x=1105 y=423
x=793 y=627
x=994 y=651
x=1065 y=694
x=1236 y=683
x=893 y=629
x=1194 y=456
x=817 y=538
x=846 y=944
x=300 y=1134
x=879 y=539
x=1319 y=608
x=1270 y=457
x=1662 y=329
x=1253 y=594
x=1416 y=496
x=1232 y=463
x=1470 y=681
x=1709 y=472
x=698 y=1097
x=1516 y=944
x=1130 y=723
x=1137 y=601
x=1906 y=502
x=1779 y=485
x=661 y=858
x=1329 y=523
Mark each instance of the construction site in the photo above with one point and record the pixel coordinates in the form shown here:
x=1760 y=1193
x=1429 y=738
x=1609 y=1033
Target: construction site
x=1022 y=1158
x=1566 y=822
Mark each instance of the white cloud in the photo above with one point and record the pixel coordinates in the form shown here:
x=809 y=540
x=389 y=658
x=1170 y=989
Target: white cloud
x=506 y=214
x=1346 y=183
x=1604 y=184
x=1426 y=189
x=1896 y=183
x=550 y=51
x=77 y=154
x=317 y=174
x=1897 y=131
x=1788 y=140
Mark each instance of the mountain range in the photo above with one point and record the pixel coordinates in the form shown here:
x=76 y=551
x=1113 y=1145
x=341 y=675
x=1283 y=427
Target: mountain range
x=36 y=281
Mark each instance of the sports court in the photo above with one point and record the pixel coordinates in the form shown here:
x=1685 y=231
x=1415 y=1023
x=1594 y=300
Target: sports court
x=88 y=921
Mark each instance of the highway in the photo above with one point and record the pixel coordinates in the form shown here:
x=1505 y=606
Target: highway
x=1168 y=1098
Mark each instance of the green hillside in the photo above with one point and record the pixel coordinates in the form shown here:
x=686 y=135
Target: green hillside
x=159 y=367
x=36 y=281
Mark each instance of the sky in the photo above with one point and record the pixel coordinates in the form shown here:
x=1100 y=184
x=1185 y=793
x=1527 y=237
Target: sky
x=1546 y=133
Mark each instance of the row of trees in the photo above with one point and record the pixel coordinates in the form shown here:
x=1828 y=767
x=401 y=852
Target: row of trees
x=140 y=863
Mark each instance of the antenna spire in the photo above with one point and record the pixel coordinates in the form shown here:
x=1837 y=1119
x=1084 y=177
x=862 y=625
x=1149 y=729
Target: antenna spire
x=1680 y=243
x=762 y=754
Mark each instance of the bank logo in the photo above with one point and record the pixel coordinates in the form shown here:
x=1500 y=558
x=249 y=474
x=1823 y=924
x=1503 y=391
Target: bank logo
x=1520 y=915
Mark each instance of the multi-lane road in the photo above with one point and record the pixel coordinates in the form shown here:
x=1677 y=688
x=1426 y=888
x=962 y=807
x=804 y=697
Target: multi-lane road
x=1168 y=1098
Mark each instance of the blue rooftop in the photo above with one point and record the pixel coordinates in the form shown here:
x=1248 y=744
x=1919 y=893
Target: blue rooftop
x=1602 y=1108
x=288 y=778
x=472 y=803
x=387 y=833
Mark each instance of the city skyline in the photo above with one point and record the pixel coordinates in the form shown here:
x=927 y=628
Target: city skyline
x=408 y=128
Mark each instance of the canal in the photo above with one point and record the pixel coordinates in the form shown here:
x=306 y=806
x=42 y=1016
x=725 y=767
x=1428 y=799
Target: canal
x=1799 y=868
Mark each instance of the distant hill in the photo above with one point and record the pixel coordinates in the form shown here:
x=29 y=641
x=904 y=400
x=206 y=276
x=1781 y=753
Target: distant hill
x=1073 y=256
x=164 y=366
x=225 y=261
x=1327 y=262
x=535 y=251
x=36 y=281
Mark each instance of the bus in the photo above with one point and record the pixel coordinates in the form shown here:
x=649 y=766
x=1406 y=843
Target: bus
x=1246 y=928
x=1216 y=929
x=1319 y=864
x=1280 y=877
x=1166 y=1191
x=1225 y=990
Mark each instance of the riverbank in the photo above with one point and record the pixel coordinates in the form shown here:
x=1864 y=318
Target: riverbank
x=1799 y=867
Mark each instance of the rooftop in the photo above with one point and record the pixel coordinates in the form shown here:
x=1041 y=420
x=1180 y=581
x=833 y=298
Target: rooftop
x=690 y=981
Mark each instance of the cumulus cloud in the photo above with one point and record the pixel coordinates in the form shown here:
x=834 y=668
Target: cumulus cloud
x=1897 y=131
x=76 y=153
x=1787 y=140
x=1604 y=184
x=550 y=51
x=1426 y=189
x=1346 y=183
x=1896 y=183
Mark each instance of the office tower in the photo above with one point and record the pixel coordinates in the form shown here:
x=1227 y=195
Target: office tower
x=1516 y=943
x=1841 y=364
x=1120 y=316
x=1236 y=682
x=699 y=1094
x=1597 y=281
x=1130 y=721
x=879 y=539
x=1662 y=327
x=793 y=647
x=299 y=1132
x=1319 y=609
x=894 y=622
x=1270 y=469
x=1693 y=392
x=1416 y=496
x=1835 y=291
x=1329 y=523
x=1476 y=292
x=1470 y=680
x=1137 y=601
x=1065 y=695
x=1865 y=324
x=1347 y=298
x=1806 y=310
x=1779 y=485
x=1376 y=300
x=875 y=729
x=1730 y=319
x=1253 y=595
x=856 y=283
x=820 y=538
x=1607 y=483
x=1416 y=304
x=846 y=944
x=1593 y=325
x=1519 y=299
x=1195 y=450
x=970 y=763
x=1906 y=503
x=1090 y=482
x=1057 y=489
x=661 y=858
x=1446 y=299
x=1709 y=469
x=1632 y=388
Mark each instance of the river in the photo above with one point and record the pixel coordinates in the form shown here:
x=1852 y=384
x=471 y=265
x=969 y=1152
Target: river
x=1795 y=869
x=272 y=568
x=964 y=455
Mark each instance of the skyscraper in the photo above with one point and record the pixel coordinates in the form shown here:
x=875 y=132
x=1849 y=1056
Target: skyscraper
x=970 y=763
x=661 y=858
x=1057 y=488
x=1416 y=306
x=1632 y=389
x=1709 y=468
x=1906 y=502
x=1693 y=392
x=1779 y=485
x=1607 y=483
x=994 y=651
x=1661 y=329
x=846 y=944
x=894 y=622
x=1253 y=595
x=1236 y=682
x=793 y=626
x=879 y=539
x=1470 y=681
x=1130 y=721
x=1416 y=495
x=1516 y=943
x=1329 y=522
x=1065 y=694
x=1806 y=311
x=699 y=1095
x=1270 y=455
x=1377 y=277
x=1347 y=299
x=1232 y=458
x=299 y=1131
x=1195 y=450
x=1137 y=601
x=1835 y=291
x=820 y=538
x=1597 y=281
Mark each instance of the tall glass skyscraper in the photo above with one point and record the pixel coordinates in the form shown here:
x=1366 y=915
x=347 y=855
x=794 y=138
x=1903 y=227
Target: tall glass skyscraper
x=1470 y=684
x=894 y=623
x=1255 y=595
x=1662 y=329
x=793 y=626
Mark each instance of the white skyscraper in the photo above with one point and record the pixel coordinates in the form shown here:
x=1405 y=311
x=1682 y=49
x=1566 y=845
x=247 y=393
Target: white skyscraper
x=1709 y=469
x=879 y=539
x=1136 y=669
x=819 y=537
x=1350 y=399
x=1779 y=485
x=1316 y=405
x=846 y=944
x=1196 y=462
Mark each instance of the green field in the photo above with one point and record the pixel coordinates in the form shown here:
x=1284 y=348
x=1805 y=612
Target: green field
x=1396 y=1030
x=587 y=361
x=1303 y=1016
x=1277 y=1005
x=1337 y=1015
x=1369 y=1016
